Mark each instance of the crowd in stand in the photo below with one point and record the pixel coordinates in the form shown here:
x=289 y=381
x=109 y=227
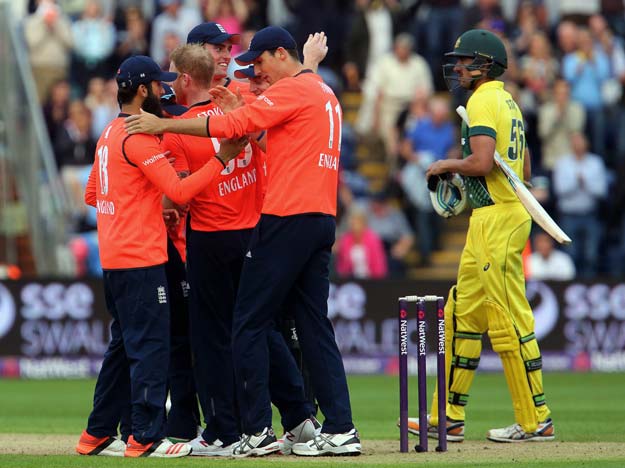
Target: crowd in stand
x=566 y=71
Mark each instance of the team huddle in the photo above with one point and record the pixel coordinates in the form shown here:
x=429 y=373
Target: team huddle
x=261 y=217
x=216 y=220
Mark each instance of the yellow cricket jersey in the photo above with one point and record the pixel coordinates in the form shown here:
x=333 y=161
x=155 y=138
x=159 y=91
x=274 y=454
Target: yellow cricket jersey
x=493 y=112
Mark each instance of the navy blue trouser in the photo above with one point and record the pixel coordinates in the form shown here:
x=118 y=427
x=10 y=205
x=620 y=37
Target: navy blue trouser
x=214 y=262
x=289 y=262
x=111 y=398
x=184 y=416
x=136 y=362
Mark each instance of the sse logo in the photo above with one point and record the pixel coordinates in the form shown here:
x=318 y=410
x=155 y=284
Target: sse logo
x=7 y=311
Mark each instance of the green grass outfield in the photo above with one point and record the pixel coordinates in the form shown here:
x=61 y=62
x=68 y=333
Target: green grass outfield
x=586 y=408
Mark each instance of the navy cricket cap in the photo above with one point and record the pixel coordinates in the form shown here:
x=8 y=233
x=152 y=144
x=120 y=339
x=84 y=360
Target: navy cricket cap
x=211 y=33
x=169 y=103
x=245 y=73
x=140 y=69
x=269 y=38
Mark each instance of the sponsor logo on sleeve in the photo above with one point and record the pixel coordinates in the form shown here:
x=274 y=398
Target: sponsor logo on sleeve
x=156 y=157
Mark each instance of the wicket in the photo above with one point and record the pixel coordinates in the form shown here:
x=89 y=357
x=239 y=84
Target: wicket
x=422 y=446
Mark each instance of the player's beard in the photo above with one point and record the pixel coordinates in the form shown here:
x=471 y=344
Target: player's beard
x=152 y=103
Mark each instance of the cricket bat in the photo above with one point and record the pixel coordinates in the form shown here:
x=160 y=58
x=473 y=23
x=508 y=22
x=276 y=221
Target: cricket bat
x=535 y=209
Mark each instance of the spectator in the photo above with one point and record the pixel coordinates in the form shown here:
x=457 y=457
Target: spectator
x=612 y=88
x=580 y=182
x=73 y=143
x=133 y=39
x=56 y=107
x=414 y=113
x=432 y=138
x=586 y=70
x=441 y=25
x=527 y=25
x=101 y=100
x=146 y=9
x=483 y=13
x=360 y=252
x=94 y=43
x=170 y=42
x=567 y=37
x=279 y=13
x=49 y=38
x=74 y=150
x=434 y=133
x=557 y=119
x=231 y=14
x=538 y=72
x=390 y=224
x=175 y=20
x=369 y=38
x=420 y=211
x=548 y=263
x=395 y=78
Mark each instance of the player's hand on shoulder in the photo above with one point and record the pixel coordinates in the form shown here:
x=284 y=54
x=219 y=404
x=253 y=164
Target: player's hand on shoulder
x=144 y=123
x=231 y=147
x=226 y=99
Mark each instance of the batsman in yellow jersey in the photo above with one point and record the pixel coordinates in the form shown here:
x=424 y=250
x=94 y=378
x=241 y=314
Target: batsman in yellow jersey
x=490 y=291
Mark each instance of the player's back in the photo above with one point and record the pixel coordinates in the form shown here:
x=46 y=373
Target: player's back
x=304 y=149
x=131 y=231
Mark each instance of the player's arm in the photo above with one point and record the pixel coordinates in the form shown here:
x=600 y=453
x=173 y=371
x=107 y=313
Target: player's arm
x=152 y=161
x=90 y=196
x=151 y=124
x=479 y=163
x=315 y=50
x=277 y=104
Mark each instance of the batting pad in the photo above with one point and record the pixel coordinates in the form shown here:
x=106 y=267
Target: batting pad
x=533 y=366
x=506 y=342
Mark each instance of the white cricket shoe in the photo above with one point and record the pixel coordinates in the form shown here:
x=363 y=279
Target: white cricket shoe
x=256 y=445
x=347 y=443
x=163 y=448
x=103 y=446
x=545 y=432
x=201 y=448
x=302 y=433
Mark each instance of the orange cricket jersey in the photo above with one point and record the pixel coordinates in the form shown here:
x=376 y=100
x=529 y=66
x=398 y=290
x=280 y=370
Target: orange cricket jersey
x=302 y=117
x=234 y=200
x=129 y=175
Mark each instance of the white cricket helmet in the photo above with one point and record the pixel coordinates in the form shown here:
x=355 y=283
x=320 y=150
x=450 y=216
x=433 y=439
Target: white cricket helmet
x=448 y=194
